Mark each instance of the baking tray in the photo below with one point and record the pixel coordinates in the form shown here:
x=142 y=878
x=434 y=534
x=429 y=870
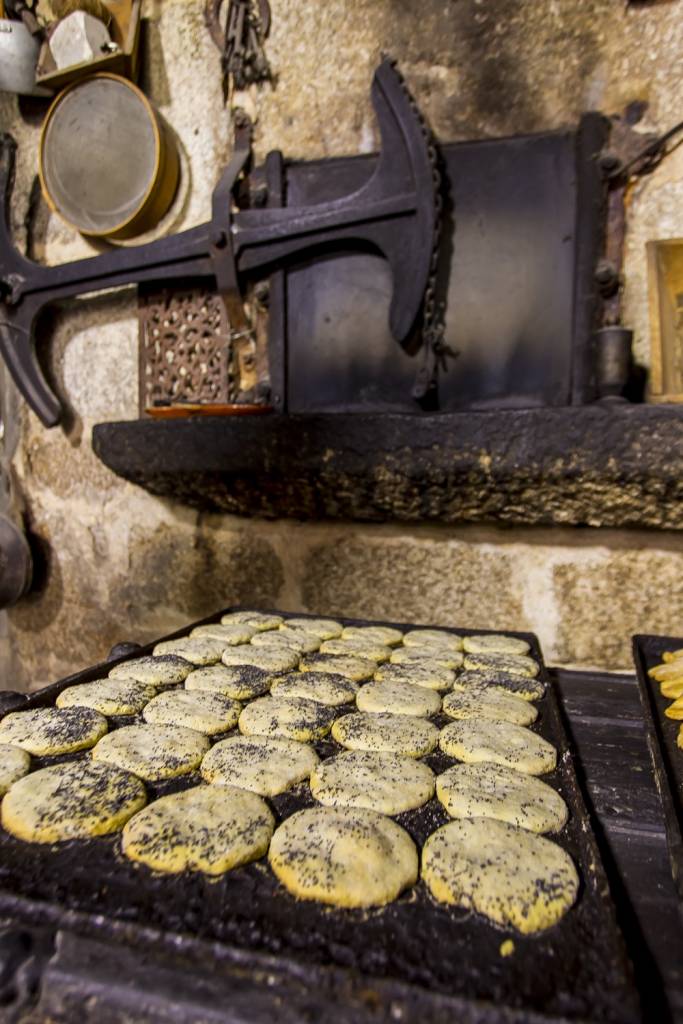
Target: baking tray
x=667 y=756
x=576 y=971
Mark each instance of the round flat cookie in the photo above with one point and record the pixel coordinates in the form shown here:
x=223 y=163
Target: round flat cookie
x=268 y=659
x=50 y=731
x=388 y=783
x=385 y=635
x=200 y=650
x=398 y=698
x=432 y=638
x=489 y=702
x=343 y=856
x=322 y=687
x=326 y=629
x=241 y=682
x=230 y=635
x=262 y=764
x=291 y=718
x=477 y=739
x=153 y=752
x=494 y=643
x=513 y=664
x=298 y=639
x=207 y=828
x=432 y=677
x=358 y=648
x=167 y=670
x=75 y=800
x=395 y=734
x=209 y=713
x=108 y=696
x=347 y=665
x=519 y=686
x=488 y=790
x=510 y=875
x=14 y=764
x=259 y=621
x=431 y=657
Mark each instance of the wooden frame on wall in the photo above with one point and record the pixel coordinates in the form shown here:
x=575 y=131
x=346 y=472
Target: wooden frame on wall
x=665 y=286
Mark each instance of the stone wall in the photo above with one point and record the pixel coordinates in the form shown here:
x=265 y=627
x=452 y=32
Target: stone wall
x=116 y=563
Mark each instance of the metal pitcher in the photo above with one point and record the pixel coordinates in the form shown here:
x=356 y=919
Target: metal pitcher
x=18 y=58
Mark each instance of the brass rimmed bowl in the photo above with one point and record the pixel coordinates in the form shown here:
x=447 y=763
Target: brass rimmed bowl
x=108 y=164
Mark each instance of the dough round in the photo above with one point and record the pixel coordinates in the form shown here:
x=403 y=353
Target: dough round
x=153 y=752
x=357 y=647
x=667 y=672
x=433 y=677
x=510 y=875
x=477 y=739
x=207 y=828
x=433 y=638
x=348 y=665
x=494 y=643
x=14 y=764
x=388 y=783
x=386 y=635
x=675 y=710
x=51 y=731
x=259 y=621
x=488 y=790
x=489 y=702
x=200 y=650
x=108 y=696
x=263 y=764
x=519 y=686
x=297 y=639
x=73 y=800
x=343 y=856
x=513 y=664
x=292 y=718
x=326 y=629
x=268 y=659
x=395 y=734
x=166 y=670
x=209 y=713
x=433 y=656
x=398 y=698
x=672 y=689
x=241 y=682
x=323 y=687
x=230 y=635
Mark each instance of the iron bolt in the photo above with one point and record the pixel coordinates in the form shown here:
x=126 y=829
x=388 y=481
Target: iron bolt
x=607 y=276
x=262 y=292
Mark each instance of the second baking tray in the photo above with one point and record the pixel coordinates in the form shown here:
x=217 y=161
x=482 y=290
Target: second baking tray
x=662 y=734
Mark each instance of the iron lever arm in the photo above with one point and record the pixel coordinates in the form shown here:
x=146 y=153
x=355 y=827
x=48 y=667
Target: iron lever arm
x=395 y=211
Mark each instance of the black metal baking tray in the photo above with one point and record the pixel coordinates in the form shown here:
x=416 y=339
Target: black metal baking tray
x=413 y=957
x=667 y=756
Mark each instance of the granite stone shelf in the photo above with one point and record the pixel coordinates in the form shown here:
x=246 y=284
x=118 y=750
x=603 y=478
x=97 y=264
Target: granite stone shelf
x=600 y=465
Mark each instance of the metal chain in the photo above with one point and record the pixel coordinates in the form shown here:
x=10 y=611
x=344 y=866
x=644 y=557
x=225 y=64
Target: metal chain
x=435 y=349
